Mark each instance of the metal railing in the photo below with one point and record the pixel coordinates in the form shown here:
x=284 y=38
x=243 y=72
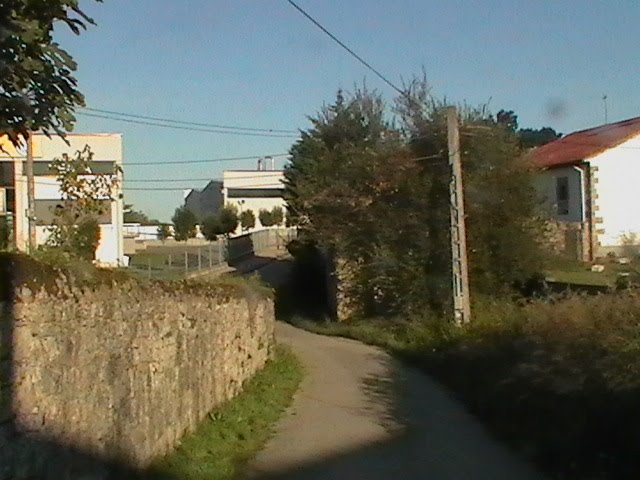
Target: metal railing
x=177 y=260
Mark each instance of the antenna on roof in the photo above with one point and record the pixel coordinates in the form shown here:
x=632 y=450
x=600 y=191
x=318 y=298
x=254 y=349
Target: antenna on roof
x=606 y=112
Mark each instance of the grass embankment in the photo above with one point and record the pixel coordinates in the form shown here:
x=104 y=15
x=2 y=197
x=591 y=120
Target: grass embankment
x=233 y=433
x=578 y=273
x=559 y=381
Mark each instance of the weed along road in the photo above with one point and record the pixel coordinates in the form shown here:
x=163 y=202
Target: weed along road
x=361 y=414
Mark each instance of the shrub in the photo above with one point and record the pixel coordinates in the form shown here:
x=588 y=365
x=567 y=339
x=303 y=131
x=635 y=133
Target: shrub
x=277 y=216
x=265 y=217
x=247 y=219
x=86 y=239
x=211 y=228
x=164 y=231
x=228 y=220
x=184 y=224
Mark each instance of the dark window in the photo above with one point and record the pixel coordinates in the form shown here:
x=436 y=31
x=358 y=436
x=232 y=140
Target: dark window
x=255 y=192
x=42 y=168
x=562 y=195
x=6 y=174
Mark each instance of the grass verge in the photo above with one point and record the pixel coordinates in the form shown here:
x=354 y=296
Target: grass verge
x=233 y=433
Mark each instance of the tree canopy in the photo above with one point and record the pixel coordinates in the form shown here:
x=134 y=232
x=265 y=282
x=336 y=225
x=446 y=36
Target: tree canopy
x=376 y=194
x=247 y=219
x=228 y=220
x=184 y=224
x=137 y=216
x=38 y=90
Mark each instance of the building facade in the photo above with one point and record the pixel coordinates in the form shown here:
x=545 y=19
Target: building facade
x=206 y=202
x=589 y=181
x=107 y=159
x=254 y=190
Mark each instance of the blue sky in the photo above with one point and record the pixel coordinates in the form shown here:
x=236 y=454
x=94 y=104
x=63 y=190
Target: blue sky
x=259 y=63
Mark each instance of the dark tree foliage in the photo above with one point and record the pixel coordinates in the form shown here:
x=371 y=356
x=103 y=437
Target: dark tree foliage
x=38 y=90
x=228 y=220
x=277 y=216
x=265 y=217
x=377 y=197
x=507 y=119
x=137 y=216
x=164 y=231
x=184 y=224
x=531 y=138
x=211 y=228
x=247 y=219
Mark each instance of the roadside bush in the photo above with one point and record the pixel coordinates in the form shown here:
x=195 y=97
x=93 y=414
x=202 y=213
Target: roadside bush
x=560 y=380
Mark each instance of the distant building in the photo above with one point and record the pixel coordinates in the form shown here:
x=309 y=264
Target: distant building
x=206 y=202
x=107 y=151
x=254 y=190
x=590 y=181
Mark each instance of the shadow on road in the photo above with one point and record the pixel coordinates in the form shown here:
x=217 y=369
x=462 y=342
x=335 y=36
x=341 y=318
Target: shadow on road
x=428 y=435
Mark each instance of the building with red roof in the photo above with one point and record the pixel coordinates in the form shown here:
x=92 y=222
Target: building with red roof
x=590 y=181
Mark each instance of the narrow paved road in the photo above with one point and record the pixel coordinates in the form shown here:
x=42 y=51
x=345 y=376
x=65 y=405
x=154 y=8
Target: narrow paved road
x=361 y=414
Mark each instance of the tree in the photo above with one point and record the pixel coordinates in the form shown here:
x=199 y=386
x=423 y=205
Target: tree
x=376 y=197
x=504 y=223
x=528 y=137
x=265 y=217
x=531 y=138
x=136 y=216
x=86 y=196
x=164 y=231
x=277 y=216
x=247 y=219
x=228 y=220
x=211 y=228
x=38 y=90
x=184 y=224
x=507 y=119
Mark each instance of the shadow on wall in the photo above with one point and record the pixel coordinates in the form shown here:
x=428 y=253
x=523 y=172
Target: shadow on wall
x=24 y=455
x=239 y=249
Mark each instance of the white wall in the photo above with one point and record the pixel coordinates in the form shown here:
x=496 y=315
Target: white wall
x=618 y=189
x=268 y=179
x=546 y=188
x=106 y=147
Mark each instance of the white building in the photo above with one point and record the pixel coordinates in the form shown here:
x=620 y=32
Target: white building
x=254 y=190
x=591 y=184
x=107 y=156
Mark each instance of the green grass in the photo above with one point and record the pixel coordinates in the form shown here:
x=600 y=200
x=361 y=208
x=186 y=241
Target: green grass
x=232 y=434
x=578 y=273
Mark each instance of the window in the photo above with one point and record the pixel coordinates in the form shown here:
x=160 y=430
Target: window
x=562 y=195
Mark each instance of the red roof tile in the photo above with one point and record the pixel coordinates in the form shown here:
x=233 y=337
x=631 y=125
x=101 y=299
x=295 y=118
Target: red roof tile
x=585 y=144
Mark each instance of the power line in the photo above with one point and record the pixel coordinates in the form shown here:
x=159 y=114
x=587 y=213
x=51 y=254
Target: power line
x=182 y=122
x=207 y=160
x=192 y=129
x=249 y=177
x=354 y=54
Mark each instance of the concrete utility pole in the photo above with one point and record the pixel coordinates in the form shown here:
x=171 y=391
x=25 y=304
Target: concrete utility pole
x=31 y=202
x=460 y=272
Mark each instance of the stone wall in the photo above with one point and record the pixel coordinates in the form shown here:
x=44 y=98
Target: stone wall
x=570 y=239
x=121 y=372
